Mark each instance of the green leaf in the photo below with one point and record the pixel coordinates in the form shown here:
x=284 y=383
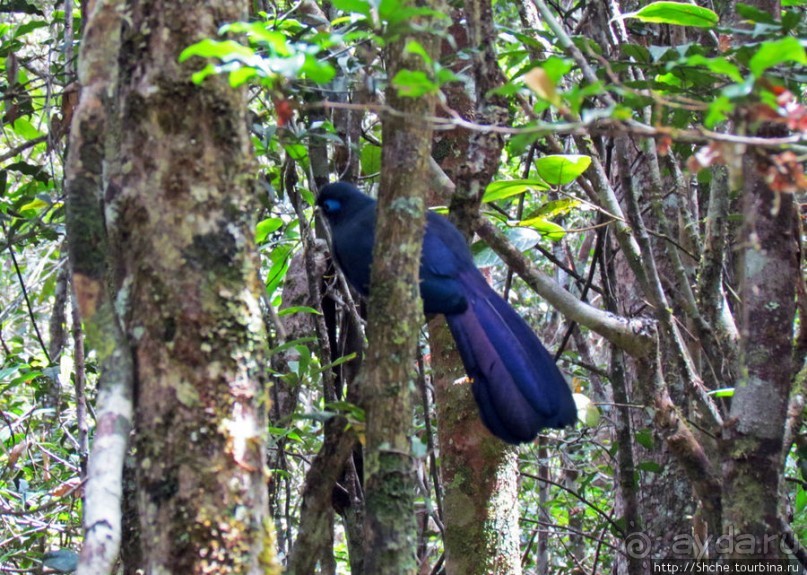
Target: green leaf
x=25 y=129
x=722 y=392
x=370 y=157
x=506 y=188
x=35 y=204
x=719 y=110
x=677 y=14
x=257 y=31
x=650 y=467
x=240 y=76
x=718 y=65
x=550 y=230
x=754 y=14
x=559 y=170
x=644 y=437
x=770 y=54
x=266 y=227
x=556 y=208
x=357 y=6
x=414 y=47
x=316 y=71
x=28 y=27
x=413 y=83
x=223 y=50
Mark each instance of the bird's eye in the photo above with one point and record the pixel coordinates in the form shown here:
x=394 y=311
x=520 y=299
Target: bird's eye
x=330 y=205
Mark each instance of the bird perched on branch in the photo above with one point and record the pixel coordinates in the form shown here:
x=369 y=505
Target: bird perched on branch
x=517 y=386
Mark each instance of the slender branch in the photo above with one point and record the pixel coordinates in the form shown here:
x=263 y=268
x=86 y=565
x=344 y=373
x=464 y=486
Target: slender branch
x=24 y=290
x=632 y=335
x=22 y=147
x=593 y=127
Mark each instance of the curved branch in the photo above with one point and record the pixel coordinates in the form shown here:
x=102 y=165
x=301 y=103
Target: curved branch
x=632 y=335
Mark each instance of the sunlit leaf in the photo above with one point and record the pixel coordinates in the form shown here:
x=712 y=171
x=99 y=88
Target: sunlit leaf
x=675 y=13
x=357 y=6
x=771 y=54
x=506 y=188
x=556 y=208
x=559 y=170
x=266 y=227
x=370 y=157
x=25 y=129
x=550 y=230
x=413 y=83
x=221 y=49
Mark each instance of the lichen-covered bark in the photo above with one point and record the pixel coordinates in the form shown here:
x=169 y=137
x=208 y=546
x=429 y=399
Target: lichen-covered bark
x=754 y=433
x=89 y=257
x=394 y=320
x=480 y=474
x=180 y=217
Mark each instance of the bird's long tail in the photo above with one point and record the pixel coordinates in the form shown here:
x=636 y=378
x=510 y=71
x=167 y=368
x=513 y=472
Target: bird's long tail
x=516 y=384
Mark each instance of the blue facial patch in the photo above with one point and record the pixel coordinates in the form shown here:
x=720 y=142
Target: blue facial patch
x=331 y=205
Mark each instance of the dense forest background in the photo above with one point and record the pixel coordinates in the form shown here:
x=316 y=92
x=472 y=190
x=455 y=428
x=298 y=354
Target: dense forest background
x=188 y=385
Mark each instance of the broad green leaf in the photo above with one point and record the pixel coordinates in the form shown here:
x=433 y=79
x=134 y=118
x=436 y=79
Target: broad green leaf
x=414 y=47
x=754 y=14
x=719 y=110
x=199 y=77
x=413 y=83
x=506 y=188
x=644 y=437
x=35 y=204
x=559 y=170
x=258 y=32
x=223 y=50
x=650 y=466
x=370 y=157
x=266 y=227
x=25 y=129
x=639 y=53
x=550 y=230
x=28 y=27
x=770 y=54
x=240 y=76
x=718 y=65
x=675 y=13
x=556 y=208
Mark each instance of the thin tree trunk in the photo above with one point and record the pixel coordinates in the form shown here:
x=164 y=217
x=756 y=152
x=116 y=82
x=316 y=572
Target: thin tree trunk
x=394 y=320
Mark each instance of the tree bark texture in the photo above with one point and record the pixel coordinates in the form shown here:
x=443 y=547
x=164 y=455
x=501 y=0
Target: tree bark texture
x=180 y=216
x=394 y=320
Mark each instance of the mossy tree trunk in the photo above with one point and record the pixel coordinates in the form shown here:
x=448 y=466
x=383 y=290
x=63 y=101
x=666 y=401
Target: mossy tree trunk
x=179 y=214
x=395 y=318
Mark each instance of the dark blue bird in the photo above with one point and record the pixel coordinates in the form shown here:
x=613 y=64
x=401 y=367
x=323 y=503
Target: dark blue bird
x=515 y=382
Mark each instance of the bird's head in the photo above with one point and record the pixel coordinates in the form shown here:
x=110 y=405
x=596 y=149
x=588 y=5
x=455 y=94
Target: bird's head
x=340 y=200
